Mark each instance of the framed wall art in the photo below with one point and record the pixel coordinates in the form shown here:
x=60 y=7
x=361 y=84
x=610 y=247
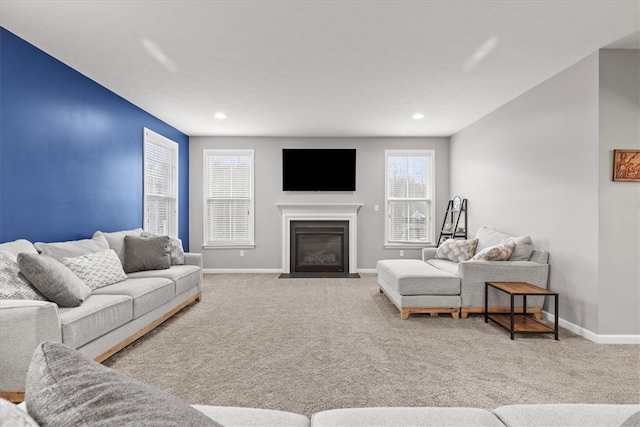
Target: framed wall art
x=626 y=165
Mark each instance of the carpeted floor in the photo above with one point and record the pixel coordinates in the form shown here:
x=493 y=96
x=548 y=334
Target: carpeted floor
x=305 y=345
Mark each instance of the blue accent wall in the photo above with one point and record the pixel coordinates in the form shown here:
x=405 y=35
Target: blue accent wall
x=71 y=151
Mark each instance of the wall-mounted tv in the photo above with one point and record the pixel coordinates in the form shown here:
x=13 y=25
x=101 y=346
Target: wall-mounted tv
x=318 y=169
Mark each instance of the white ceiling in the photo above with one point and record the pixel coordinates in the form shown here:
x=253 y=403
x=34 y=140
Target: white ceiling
x=321 y=68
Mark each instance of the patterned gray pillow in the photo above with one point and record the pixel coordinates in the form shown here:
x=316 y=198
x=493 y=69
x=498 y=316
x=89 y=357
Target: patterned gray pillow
x=12 y=416
x=53 y=280
x=97 y=269
x=457 y=250
x=496 y=253
x=64 y=388
x=175 y=248
x=146 y=253
x=14 y=285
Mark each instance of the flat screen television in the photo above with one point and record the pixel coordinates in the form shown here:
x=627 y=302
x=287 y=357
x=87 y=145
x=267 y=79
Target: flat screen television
x=318 y=169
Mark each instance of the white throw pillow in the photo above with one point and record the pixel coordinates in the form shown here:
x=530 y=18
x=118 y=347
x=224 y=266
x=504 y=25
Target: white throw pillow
x=495 y=253
x=97 y=269
x=457 y=250
x=14 y=285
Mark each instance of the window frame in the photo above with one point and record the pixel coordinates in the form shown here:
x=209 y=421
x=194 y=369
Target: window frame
x=152 y=137
x=250 y=243
x=429 y=153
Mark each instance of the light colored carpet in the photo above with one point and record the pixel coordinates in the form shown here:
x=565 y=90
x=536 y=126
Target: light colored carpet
x=305 y=345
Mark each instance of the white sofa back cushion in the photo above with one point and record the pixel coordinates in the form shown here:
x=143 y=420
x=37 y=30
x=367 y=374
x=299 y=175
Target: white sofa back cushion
x=488 y=237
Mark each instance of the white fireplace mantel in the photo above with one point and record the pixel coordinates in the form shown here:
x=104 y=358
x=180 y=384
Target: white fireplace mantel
x=319 y=212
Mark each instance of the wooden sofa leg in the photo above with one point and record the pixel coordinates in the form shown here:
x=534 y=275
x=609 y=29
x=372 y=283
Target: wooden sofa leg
x=455 y=314
x=404 y=314
x=464 y=314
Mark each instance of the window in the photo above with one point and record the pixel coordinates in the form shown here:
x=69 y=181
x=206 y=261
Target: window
x=228 y=198
x=160 y=184
x=409 y=200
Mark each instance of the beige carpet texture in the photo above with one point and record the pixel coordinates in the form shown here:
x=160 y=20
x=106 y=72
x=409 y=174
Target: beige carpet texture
x=306 y=345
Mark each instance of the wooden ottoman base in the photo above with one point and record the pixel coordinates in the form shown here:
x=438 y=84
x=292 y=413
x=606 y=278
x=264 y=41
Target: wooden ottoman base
x=434 y=311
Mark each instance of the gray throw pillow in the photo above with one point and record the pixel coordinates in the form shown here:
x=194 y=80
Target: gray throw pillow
x=53 y=280
x=457 y=250
x=632 y=421
x=146 y=253
x=64 y=388
x=12 y=416
x=14 y=285
x=175 y=248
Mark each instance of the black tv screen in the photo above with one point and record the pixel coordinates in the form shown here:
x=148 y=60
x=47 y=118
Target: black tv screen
x=318 y=169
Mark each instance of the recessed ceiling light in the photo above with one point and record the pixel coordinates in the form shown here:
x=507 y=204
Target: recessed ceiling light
x=220 y=116
x=417 y=116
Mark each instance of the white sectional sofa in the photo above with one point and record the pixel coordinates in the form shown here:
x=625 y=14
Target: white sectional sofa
x=111 y=318
x=439 y=285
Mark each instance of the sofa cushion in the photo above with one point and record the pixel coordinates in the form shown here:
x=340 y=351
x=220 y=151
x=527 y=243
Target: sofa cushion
x=17 y=246
x=185 y=277
x=146 y=253
x=14 y=285
x=98 y=315
x=12 y=416
x=414 y=417
x=415 y=277
x=565 y=415
x=147 y=293
x=97 y=269
x=116 y=240
x=488 y=237
x=495 y=253
x=53 y=280
x=252 y=417
x=64 y=388
x=444 y=265
x=457 y=250
x=73 y=248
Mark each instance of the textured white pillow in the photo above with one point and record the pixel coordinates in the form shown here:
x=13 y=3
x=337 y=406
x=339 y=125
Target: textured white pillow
x=496 y=253
x=14 y=285
x=97 y=269
x=457 y=250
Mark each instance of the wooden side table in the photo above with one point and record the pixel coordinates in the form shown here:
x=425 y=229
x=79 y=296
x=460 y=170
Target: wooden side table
x=519 y=323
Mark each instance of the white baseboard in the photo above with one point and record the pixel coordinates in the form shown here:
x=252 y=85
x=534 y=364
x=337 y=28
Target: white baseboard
x=241 y=270
x=592 y=336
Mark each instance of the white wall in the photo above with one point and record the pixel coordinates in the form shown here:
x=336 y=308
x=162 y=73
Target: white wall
x=267 y=254
x=619 y=231
x=531 y=167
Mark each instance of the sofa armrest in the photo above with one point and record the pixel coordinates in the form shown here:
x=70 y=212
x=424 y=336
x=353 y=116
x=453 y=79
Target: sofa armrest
x=23 y=325
x=191 y=258
x=428 y=253
x=473 y=275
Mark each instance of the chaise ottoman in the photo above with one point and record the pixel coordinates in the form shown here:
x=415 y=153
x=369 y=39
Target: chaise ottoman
x=416 y=287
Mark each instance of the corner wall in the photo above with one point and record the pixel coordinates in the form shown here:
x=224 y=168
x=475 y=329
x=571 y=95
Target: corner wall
x=619 y=230
x=71 y=151
x=370 y=175
x=531 y=167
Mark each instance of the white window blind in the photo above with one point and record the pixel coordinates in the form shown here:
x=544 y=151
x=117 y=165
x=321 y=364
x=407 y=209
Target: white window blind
x=409 y=197
x=228 y=198
x=160 y=184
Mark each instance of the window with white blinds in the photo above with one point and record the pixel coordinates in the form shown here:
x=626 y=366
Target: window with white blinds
x=409 y=200
x=160 y=184
x=229 y=200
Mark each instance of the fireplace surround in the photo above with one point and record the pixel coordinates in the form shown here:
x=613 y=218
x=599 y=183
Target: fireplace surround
x=344 y=212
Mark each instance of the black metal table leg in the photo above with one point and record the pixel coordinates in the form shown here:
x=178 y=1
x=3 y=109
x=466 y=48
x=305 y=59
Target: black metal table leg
x=556 y=318
x=486 y=302
x=512 y=316
x=524 y=305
